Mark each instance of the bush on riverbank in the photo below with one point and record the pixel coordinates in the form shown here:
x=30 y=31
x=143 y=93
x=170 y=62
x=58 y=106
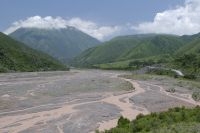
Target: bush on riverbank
x=171 y=90
x=176 y=120
x=196 y=95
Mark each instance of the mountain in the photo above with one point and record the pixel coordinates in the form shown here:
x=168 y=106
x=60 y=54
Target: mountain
x=153 y=46
x=192 y=47
x=107 y=52
x=187 y=58
x=132 y=47
x=62 y=44
x=15 y=56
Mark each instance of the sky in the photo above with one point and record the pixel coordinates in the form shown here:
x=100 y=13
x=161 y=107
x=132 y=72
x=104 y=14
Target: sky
x=103 y=19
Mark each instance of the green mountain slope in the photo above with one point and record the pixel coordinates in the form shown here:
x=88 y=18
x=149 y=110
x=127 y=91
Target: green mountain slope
x=108 y=52
x=127 y=48
x=15 y=56
x=157 y=45
x=62 y=44
x=192 y=47
x=187 y=59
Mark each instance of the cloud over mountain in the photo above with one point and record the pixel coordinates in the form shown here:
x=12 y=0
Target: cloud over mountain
x=49 y=22
x=181 y=20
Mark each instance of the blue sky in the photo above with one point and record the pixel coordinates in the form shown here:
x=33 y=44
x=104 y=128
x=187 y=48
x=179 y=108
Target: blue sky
x=101 y=12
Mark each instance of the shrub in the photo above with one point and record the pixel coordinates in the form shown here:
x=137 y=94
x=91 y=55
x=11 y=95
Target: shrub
x=196 y=95
x=123 y=122
x=164 y=122
x=190 y=76
x=171 y=90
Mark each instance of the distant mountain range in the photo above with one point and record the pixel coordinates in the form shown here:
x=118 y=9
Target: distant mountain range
x=15 y=56
x=71 y=46
x=62 y=44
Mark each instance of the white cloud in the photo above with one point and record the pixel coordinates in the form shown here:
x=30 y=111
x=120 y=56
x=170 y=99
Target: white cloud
x=93 y=29
x=89 y=27
x=37 y=22
x=181 y=20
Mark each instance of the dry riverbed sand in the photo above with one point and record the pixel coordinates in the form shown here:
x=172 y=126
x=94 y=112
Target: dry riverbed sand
x=77 y=101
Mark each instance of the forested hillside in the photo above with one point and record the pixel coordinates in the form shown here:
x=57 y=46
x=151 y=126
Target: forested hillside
x=15 y=56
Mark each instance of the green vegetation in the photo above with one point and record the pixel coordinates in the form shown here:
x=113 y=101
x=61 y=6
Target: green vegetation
x=135 y=63
x=105 y=53
x=192 y=47
x=15 y=56
x=123 y=65
x=132 y=51
x=139 y=76
x=196 y=95
x=137 y=51
x=187 y=58
x=176 y=120
x=162 y=72
x=62 y=44
x=153 y=46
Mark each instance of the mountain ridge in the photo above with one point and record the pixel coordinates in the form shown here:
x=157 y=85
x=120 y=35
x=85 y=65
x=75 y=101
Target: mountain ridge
x=130 y=47
x=62 y=44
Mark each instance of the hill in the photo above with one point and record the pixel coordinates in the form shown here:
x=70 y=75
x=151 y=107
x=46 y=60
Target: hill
x=192 y=47
x=187 y=59
x=62 y=44
x=15 y=56
x=130 y=48
x=107 y=52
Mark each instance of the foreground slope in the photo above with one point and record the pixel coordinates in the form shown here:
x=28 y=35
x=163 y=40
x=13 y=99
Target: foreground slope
x=177 y=120
x=15 y=56
x=62 y=44
x=130 y=47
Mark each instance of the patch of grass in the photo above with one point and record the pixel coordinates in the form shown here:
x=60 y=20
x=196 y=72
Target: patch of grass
x=180 y=82
x=138 y=76
x=123 y=65
x=190 y=84
x=127 y=86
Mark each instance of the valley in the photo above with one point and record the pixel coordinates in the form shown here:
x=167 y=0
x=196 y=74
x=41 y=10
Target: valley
x=90 y=66
x=65 y=101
